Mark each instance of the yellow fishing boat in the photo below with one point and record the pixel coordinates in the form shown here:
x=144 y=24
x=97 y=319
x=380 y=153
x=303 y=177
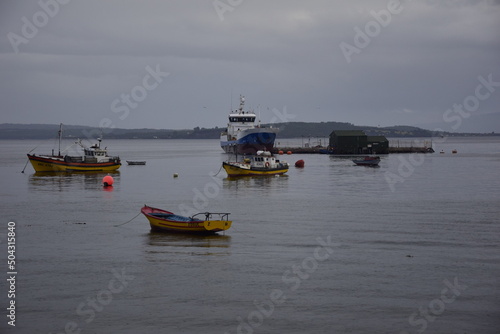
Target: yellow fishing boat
x=95 y=159
x=263 y=163
x=161 y=220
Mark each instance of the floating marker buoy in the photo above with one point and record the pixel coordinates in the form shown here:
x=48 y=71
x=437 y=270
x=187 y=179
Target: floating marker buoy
x=299 y=163
x=176 y=175
x=454 y=151
x=289 y=152
x=280 y=152
x=107 y=181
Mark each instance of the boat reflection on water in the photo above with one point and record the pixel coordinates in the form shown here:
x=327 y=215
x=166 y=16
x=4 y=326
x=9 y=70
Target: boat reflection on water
x=255 y=180
x=69 y=181
x=188 y=240
x=170 y=243
x=262 y=184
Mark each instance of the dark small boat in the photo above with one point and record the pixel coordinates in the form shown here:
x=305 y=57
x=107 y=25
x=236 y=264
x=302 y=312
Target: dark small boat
x=367 y=161
x=134 y=163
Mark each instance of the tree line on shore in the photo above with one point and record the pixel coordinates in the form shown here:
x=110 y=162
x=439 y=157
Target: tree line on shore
x=287 y=130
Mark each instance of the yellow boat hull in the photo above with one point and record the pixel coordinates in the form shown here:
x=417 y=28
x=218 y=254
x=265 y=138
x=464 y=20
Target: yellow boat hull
x=233 y=170
x=191 y=226
x=206 y=226
x=45 y=164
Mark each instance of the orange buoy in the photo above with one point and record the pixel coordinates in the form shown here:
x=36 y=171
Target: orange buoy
x=280 y=152
x=289 y=152
x=299 y=163
x=107 y=181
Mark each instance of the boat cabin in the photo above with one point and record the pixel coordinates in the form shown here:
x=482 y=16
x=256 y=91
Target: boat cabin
x=240 y=120
x=95 y=154
x=263 y=159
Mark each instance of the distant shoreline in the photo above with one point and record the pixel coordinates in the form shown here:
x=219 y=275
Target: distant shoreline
x=287 y=130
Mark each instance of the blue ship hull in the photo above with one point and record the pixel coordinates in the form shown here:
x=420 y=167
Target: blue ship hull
x=250 y=144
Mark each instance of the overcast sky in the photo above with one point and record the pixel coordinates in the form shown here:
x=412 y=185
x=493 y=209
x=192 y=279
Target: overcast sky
x=181 y=64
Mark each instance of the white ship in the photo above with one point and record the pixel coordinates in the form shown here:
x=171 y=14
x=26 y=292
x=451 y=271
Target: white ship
x=242 y=136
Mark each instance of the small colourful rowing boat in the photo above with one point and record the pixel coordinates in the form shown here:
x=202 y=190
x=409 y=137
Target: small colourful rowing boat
x=162 y=220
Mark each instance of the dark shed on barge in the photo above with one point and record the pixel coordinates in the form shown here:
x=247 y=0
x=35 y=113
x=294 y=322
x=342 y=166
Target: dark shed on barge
x=357 y=142
x=378 y=145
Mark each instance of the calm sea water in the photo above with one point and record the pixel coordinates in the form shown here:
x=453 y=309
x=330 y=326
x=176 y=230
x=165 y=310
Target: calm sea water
x=411 y=246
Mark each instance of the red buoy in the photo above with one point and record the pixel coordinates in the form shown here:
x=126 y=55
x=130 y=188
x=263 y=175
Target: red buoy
x=107 y=181
x=280 y=152
x=289 y=152
x=299 y=163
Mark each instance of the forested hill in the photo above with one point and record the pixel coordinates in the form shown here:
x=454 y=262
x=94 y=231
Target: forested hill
x=323 y=129
x=287 y=130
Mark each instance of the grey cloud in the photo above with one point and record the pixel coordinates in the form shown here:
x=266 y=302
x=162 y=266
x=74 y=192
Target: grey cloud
x=278 y=53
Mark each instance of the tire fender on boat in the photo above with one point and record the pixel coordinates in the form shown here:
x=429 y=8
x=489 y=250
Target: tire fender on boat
x=267 y=164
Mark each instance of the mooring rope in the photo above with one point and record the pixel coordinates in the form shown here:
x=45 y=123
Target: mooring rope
x=28 y=159
x=25 y=166
x=219 y=170
x=128 y=221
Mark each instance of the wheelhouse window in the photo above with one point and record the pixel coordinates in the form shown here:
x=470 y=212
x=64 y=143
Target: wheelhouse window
x=242 y=119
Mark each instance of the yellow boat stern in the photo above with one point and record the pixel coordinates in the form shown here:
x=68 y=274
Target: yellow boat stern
x=219 y=225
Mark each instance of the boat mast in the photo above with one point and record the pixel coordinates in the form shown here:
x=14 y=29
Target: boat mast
x=60 y=136
x=99 y=139
x=242 y=102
